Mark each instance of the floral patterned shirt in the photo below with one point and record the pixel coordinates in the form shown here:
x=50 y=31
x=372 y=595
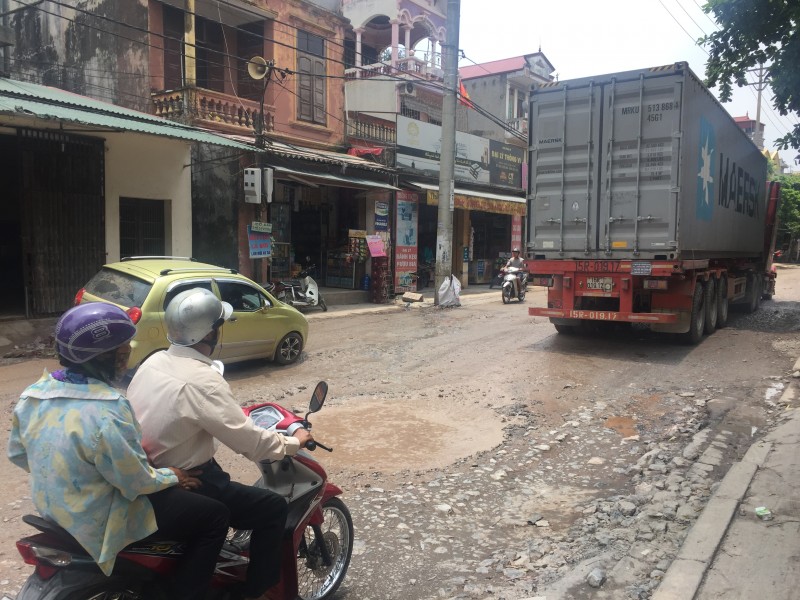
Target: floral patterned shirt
x=82 y=446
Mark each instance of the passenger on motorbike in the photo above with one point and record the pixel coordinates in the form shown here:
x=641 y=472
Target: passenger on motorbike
x=77 y=436
x=184 y=406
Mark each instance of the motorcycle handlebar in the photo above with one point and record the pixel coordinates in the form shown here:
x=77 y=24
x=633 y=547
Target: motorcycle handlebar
x=313 y=445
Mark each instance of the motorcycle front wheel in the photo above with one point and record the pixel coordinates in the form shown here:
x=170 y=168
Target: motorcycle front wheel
x=507 y=293
x=316 y=580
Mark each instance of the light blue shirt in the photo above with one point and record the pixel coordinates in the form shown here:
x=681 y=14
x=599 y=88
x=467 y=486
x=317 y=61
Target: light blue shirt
x=83 y=449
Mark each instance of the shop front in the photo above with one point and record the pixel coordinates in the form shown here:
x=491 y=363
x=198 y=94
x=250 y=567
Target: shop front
x=486 y=226
x=321 y=216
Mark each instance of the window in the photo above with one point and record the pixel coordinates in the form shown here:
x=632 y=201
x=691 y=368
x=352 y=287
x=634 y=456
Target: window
x=173 y=48
x=516 y=103
x=183 y=286
x=311 y=81
x=141 y=227
x=242 y=297
x=210 y=52
x=250 y=43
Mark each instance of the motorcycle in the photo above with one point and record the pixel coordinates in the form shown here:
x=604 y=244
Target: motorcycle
x=300 y=293
x=423 y=275
x=317 y=542
x=515 y=284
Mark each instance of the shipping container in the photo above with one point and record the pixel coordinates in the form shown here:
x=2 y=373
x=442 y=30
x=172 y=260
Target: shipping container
x=646 y=204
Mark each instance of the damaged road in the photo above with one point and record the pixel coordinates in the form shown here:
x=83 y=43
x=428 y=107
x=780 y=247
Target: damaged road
x=485 y=456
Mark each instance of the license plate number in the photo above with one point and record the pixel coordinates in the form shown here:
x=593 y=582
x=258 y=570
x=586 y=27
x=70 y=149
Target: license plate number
x=599 y=283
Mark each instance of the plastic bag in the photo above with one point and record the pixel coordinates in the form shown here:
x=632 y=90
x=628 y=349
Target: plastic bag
x=449 y=292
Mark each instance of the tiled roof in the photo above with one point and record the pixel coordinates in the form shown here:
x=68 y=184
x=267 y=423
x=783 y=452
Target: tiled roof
x=495 y=67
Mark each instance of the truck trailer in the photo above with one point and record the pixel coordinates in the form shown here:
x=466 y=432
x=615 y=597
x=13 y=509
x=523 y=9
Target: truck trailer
x=646 y=204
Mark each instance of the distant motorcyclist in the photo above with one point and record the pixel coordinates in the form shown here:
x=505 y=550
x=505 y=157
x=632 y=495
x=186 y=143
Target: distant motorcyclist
x=516 y=265
x=515 y=260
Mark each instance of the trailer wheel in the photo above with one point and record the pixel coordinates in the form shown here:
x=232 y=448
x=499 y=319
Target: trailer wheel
x=722 y=302
x=753 y=292
x=566 y=329
x=710 y=301
x=697 y=322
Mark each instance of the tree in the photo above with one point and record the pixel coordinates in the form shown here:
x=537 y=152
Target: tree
x=754 y=33
x=789 y=213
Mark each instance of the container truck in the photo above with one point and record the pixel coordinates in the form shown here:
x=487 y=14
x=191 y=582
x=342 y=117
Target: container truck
x=646 y=204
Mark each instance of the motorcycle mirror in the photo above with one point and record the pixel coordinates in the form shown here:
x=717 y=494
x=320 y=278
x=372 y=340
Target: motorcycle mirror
x=318 y=397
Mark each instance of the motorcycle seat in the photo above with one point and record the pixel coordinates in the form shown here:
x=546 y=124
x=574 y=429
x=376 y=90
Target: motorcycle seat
x=292 y=283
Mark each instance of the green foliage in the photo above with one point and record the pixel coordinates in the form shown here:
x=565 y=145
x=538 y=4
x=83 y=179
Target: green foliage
x=754 y=33
x=790 y=204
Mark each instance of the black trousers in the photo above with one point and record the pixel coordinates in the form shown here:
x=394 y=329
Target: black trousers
x=203 y=523
x=258 y=509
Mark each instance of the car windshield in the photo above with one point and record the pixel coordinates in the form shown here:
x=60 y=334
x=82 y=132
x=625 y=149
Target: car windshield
x=118 y=287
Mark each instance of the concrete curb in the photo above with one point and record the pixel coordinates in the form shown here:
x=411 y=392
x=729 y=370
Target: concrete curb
x=686 y=573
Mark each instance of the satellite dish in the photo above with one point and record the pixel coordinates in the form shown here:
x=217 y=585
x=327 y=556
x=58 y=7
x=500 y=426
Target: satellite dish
x=258 y=68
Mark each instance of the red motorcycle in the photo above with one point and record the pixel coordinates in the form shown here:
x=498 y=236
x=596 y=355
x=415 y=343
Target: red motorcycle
x=317 y=546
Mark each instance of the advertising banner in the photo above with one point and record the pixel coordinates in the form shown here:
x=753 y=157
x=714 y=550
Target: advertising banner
x=478 y=160
x=376 y=246
x=405 y=256
x=381 y=215
x=505 y=164
x=516 y=232
x=260 y=243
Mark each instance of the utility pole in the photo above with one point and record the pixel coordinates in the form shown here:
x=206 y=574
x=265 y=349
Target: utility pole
x=444 y=229
x=760 y=85
x=259 y=68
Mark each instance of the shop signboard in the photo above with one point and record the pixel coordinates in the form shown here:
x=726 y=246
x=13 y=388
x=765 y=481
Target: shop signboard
x=260 y=243
x=381 y=215
x=505 y=164
x=376 y=246
x=516 y=231
x=478 y=160
x=419 y=146
x=405 y=255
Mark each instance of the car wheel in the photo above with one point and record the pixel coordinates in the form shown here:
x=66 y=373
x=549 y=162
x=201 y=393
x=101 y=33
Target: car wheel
x=289 y=349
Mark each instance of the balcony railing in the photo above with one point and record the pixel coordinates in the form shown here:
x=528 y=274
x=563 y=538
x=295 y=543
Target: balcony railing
x=519 y=124
x=418 y=68
x=212 y=109
x=371 y=131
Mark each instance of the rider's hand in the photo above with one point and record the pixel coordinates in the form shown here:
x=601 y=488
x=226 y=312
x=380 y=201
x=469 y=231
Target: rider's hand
x=187 y=479
x=304 y=436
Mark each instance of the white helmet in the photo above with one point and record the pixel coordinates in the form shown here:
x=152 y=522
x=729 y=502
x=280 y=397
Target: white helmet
x=193 y=314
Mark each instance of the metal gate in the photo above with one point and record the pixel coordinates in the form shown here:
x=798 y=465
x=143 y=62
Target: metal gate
x=63 y=216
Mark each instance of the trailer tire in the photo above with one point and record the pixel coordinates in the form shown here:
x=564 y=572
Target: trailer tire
x=722 y=302
x=712 y=310
x=697 y=320
x=753 y=292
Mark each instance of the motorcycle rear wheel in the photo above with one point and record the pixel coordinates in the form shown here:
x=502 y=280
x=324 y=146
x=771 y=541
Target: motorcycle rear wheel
x=62 y=586
x=322 y=303
x=316 y=581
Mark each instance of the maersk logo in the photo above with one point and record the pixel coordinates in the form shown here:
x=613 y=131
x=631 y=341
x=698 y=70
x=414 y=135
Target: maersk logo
x=705 y=167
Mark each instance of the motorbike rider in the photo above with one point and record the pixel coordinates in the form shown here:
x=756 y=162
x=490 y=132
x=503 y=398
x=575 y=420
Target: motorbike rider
x=77 y=436
x=184 y=406
x=517 y=262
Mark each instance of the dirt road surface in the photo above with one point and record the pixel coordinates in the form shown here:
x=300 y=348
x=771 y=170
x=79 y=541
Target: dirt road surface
x=472 y=441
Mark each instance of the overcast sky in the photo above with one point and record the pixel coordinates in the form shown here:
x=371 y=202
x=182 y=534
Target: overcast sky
x=592 y=37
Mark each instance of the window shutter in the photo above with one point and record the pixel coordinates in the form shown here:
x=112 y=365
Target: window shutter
x=319 y=92
x=305 y=94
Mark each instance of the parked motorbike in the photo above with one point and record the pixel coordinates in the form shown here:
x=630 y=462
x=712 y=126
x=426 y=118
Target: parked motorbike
x=300 y=293
x=317 y=543
x=424 y=274
x=515 y=284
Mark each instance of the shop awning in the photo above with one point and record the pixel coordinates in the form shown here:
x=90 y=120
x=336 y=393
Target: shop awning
x=471 y=199
x=23 y=99
x=315 y=179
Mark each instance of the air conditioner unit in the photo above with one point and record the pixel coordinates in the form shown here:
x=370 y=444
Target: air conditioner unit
x=409 y=89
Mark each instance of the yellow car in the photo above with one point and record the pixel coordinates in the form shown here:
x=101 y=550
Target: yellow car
x=261 y=325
